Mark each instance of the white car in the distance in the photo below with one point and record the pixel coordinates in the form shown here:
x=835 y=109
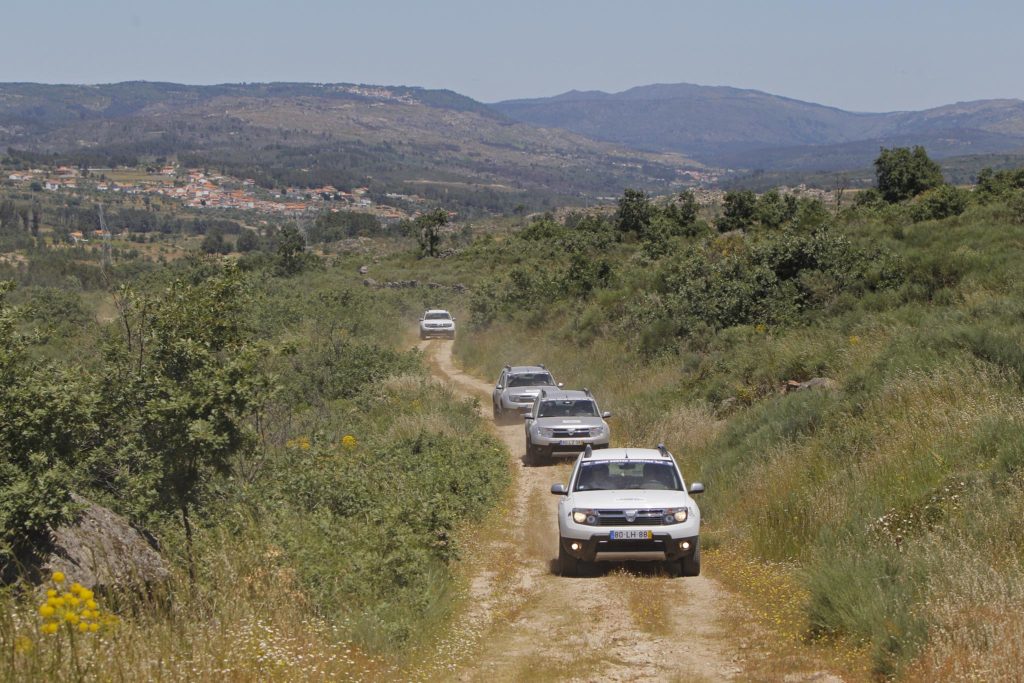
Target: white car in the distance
x=628 y=504
x=437 y=322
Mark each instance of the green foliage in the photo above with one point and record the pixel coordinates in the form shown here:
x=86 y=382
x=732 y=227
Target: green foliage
x=945 y=201
x=740 y=211
x=180 y=383
x=902 y=173
x=291 y=247
x=998 y=185
x=427 y=229
x=773 y=210
x=46 y=423
x=634 y=213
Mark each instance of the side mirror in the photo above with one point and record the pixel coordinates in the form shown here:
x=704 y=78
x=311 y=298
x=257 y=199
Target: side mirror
x=559 y=489
x=561 y=385
x=695 y=488
x=527 y=417
x=606 y=414
x=499 y=387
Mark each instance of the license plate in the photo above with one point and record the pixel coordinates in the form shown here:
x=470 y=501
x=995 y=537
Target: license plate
x=571 y=442
x=632 y=535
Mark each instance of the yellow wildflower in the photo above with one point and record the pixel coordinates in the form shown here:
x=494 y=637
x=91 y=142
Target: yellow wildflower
x=93 y=628
x=51 y=593
x=46 y=610
x=76 y=588
x=349 y=442
x=86 y=594
x=91 y=604
x=854 y=340
x=58 y=577
x=71 y=618
x=83 y=627
x=49 y=627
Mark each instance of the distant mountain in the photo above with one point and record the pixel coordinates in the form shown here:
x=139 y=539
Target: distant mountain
x=435 y=143
x=731 y=127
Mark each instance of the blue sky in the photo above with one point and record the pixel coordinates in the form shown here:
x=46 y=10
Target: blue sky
x=867 y=55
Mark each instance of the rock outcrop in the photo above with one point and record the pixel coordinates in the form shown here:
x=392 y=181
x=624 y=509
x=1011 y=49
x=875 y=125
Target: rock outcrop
x=100 y=549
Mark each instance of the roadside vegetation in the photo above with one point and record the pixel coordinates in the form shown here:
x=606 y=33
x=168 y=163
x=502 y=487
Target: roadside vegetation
x=889 y=497
x=307 y=482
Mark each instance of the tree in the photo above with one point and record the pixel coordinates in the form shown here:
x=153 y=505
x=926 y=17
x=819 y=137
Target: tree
x=740 y=210
x=214 y=243
x=291 y=247
x=903 y=173
x=179 y=384
x=248 y=240
x=683 y=212
x=635 y=212
x=428 y=231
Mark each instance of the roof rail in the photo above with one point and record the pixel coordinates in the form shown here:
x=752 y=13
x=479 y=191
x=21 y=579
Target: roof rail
x=663 y=450
x=508 y=366
x=542 y=366
x=588 y=451
x=586 y=391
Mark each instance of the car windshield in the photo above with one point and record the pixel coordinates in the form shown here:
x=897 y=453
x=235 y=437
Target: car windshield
x=531 y=379
x=628 y=474
x=438 y=316
x=567 y=408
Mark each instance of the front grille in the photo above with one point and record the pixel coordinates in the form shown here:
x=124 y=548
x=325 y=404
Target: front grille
x=570 y=432
x=524 y=399
x=643 y=518
x=653 y=545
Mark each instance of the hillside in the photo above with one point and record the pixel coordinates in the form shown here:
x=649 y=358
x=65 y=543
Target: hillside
x=435 y=143
x=751 y=129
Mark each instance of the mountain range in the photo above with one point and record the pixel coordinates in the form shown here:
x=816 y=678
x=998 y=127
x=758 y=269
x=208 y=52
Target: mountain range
x=448 y=147
x=737 y=128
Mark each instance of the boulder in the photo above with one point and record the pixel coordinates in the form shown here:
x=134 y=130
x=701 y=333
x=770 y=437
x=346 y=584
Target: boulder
x=101 y=550
x=369 y=282
x=363 y=270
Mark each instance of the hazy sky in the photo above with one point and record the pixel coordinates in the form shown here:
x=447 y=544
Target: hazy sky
x=865 y=55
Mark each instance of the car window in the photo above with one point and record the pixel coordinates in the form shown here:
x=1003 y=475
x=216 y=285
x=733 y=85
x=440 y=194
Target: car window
x=501 y=379
x=438 y=316
x=531 y=379
x=567 y=408
x=628 y=474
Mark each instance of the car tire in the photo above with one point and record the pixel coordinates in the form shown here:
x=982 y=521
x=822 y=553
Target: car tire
x=494 y=411
x=690 y=565
x=567 y=564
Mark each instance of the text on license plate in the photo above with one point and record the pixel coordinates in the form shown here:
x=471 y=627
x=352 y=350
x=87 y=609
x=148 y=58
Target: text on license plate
x=571 y=442
x=632 y=535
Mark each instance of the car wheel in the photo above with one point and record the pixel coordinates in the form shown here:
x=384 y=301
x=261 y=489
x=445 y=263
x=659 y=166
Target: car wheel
x=690 y=565
x=567 y=564
x=531 y=456
x=494 y=411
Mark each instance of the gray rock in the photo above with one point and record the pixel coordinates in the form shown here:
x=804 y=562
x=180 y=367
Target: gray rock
x=363 y=270
x=369 y=282
x=103 y=551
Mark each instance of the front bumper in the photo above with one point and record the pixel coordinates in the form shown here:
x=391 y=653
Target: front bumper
x=600 y=548
x=516 y=407
x=568 y=447
x=442 y=332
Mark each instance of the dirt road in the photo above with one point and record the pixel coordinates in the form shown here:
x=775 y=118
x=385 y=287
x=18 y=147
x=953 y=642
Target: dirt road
x=626 y=624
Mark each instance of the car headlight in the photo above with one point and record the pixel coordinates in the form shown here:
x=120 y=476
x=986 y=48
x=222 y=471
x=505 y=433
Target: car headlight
x=546 y=432
x=599 y=430
x=585 y=517
x=676 y=515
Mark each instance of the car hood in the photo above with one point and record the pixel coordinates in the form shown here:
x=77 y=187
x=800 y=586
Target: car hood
x=631 y=499
x=524 y=391
x=568 y=422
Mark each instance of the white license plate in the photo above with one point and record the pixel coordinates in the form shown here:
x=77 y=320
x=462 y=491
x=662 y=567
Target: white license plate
x=632 y=535
x=571 y=442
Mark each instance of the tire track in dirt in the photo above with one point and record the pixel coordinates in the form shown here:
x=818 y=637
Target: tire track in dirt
x=627 y=624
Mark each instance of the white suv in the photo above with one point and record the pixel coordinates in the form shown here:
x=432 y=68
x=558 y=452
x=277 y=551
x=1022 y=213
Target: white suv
x=562 y=422
x=628 y=504
x=437 y=322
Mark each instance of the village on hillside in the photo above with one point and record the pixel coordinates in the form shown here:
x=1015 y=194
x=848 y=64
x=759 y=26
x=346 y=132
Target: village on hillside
x=198 y=189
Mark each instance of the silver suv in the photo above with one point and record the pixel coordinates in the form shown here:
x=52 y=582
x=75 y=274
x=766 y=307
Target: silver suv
x=563 y=423
x=517 y=388
x=437 y=322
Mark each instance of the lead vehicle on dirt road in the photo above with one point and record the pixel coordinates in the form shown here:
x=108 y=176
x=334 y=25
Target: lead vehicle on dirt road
x=628 y=504
x=437 y=322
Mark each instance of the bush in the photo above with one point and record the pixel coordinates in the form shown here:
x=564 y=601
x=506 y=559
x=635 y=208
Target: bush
x=944 y=201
